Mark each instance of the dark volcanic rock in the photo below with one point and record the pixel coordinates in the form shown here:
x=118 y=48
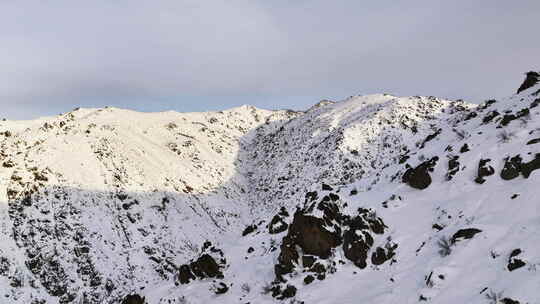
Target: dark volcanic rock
x=310 y=234
x=418 y=177
x=533 y=141
x=308 y=279
x=490 y=116
x=249 y=229
x=221 y=288
x=382 y=255
x=529 y=167
x=356 y=247
x=185 y=275
x=512 y=168
x=531 y=78
x=509 y=301
x=453 y=167
x=205 y=266
x=278 y=223
x=464 y=234
x=484 y=170
x=133 y=299
x=317 y=236
x=514 y=262
x=515 y=165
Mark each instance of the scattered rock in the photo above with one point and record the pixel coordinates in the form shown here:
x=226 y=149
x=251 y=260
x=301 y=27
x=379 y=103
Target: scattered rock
x=204 y=267
x=514 y=262
x=533 y=141
x=484 y=170
x=221 y=288
x=249 y=229
x=134 y=299
x=464 y=234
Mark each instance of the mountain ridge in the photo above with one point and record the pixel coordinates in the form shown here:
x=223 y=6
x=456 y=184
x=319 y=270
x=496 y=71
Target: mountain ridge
x=101 y=204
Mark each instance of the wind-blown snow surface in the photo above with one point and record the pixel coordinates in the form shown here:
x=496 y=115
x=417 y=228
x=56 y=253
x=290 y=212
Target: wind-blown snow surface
x=98 y=204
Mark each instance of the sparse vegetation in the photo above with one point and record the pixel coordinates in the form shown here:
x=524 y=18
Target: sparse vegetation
x=445 y=246
x=246 y=288
x=505 y=136
x=494 y=297
x=267 y=288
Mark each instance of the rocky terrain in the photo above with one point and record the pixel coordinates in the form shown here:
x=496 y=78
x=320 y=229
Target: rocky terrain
x=374 y=199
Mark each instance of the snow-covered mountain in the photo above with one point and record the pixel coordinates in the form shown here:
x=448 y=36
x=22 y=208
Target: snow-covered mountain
x=374 y=199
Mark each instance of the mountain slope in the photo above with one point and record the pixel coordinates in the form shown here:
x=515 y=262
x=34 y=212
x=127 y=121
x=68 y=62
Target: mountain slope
x=380 y=199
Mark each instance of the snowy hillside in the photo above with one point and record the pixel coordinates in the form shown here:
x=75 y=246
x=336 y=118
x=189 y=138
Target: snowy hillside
x=374 y=199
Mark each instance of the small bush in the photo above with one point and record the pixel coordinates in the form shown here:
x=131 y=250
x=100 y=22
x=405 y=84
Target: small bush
x=494 y=297
x=445 y=246
x=505 y=136
x=245 y=288
x=266 y=289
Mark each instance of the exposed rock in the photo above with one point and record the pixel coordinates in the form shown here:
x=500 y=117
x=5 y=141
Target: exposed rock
x=308 y=279
x=326 y=187
x=382 y=255
x=134 y=299
x=507 y=118
x=531 y=78
x=185 y=275
x=278 y=223
x=515 y=165
x=204 y=267
x=533 y=141
x=419 y=177
x=489 y=117
x=514 y=262
x=221 y=288
x=529 y=167
x=509 y=301
x=249 y=229
x=484 y=170
x=464 y=234
x=453 y=167
x=512 y=168
x=316 y=237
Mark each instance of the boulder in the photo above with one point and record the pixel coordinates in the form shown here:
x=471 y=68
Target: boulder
x=419 y=177
x=133 y=299
x=464 y=234
x=531 y=79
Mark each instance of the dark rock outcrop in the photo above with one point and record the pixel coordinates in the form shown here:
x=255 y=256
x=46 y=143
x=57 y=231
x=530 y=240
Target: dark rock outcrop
x=419 y=177
x=464 y=234
x=203 y=267
x=278 y=223
x=515 y=165
x=453 y=167
x=317 y=236
x=134 y=299
x=531 y=78
x=512 y=167
x=514 y=262
x=484 y=170
x=533 y=141
x=509 y=301
x=249 y=229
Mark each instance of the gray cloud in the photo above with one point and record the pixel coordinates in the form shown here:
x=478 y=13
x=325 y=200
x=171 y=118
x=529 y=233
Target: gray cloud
x=196 y=55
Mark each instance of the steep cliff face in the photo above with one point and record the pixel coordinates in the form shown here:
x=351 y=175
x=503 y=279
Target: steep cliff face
x=377 y=199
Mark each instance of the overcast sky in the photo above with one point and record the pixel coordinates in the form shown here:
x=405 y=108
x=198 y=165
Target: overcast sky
x=195 y=55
